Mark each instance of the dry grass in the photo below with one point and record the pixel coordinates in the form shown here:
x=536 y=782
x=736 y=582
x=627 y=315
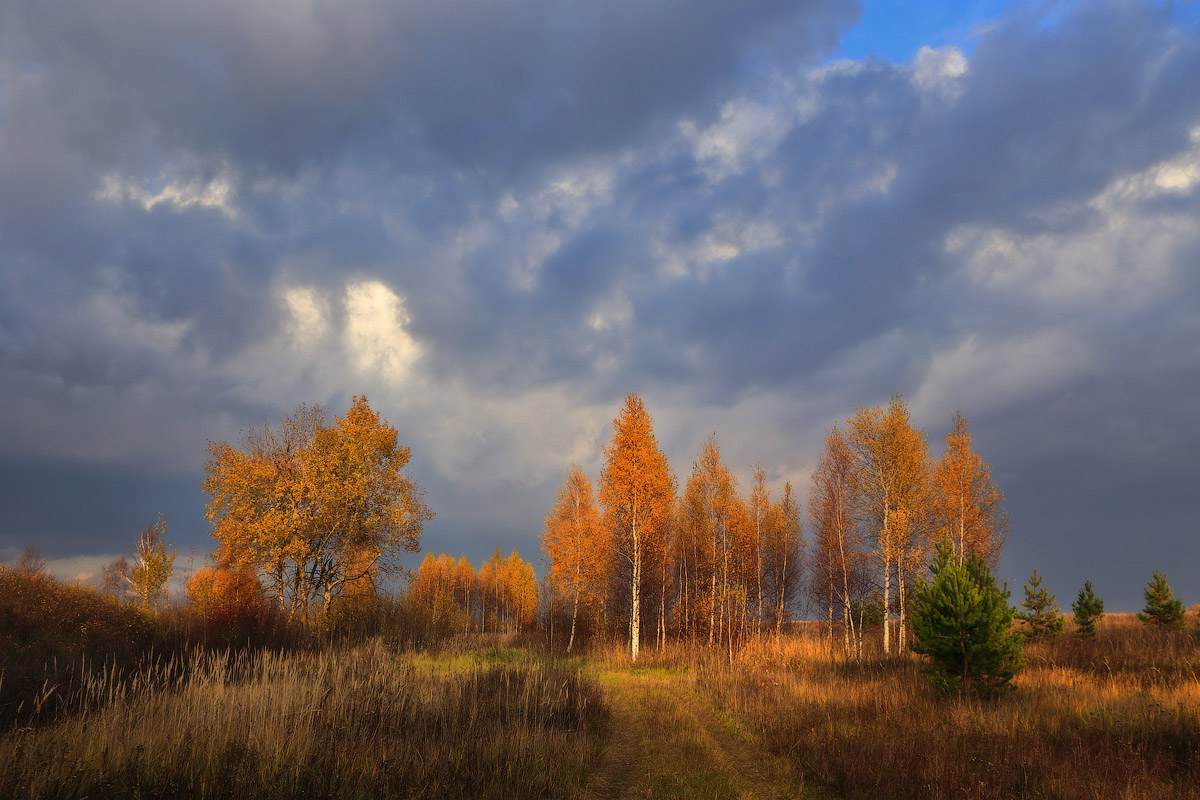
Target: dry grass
x=1118 y=717
x=359 y=722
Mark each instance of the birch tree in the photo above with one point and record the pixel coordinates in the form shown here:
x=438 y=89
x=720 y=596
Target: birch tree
x=636 y=492
x=968 y=506
x=571 y=540
x=891 y=475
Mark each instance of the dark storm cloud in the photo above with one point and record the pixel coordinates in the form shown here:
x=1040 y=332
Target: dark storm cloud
x=279 y=86
x=497 y=218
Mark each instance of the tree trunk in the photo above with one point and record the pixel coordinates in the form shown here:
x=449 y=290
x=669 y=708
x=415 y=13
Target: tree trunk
x=635 y=617
x=574 y=615
x=887 y=599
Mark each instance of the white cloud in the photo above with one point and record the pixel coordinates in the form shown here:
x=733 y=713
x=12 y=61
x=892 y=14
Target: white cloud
x=375 y=336
x=982 y=375
x=181 y=195
x=521 y=439
x=112 y=315
x=1124 y=256
x=78 y=568
x=309 y=316
x=938 y=73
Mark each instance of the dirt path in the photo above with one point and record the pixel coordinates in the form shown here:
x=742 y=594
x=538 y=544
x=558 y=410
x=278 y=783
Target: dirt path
x=668 y=743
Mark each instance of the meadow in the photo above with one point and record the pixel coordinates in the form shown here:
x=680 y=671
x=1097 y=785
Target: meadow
x=387 y=715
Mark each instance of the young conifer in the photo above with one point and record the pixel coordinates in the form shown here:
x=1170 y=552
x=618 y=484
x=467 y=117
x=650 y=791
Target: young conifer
x=1089 y=610
x=1162 y=607
x=963 y=622
x=1041 y=613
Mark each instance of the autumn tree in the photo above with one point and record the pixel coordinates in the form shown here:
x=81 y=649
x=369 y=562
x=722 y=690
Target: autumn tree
x=466 y=588
x=891 y=475
x=968 y=506
x=576 y=555
x=115 y=578
x=31 y=562
x=315 y=507
x=782 y=555
x=759 y=508
x=231 y=602
x=838 y=558
x=636 y=492
x=153 y=564
x=431 y=594
x=709 y=515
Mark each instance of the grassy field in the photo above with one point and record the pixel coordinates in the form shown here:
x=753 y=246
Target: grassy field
x=1118 y=717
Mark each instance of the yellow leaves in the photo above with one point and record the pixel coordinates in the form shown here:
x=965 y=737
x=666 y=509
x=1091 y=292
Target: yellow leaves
x=891 y=472
x=636 y=489
x=574 y=541
x=315 y=506
x=968 y=506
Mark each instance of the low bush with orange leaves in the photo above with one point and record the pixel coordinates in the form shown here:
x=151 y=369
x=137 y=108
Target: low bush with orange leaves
x=230 y=608
x=52 y=632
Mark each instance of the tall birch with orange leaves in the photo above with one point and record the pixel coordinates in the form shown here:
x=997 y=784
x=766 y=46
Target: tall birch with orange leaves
x=831 y=510
x=892 y=476
x=968 y=506
x=636 y=492
x=574 y=543
x=783 y=554
x=708 y=519
x=760 y=507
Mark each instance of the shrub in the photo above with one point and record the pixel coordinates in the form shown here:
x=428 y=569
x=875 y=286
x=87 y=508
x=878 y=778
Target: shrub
x=232 y=606
x=963 y=622
x=50 y=629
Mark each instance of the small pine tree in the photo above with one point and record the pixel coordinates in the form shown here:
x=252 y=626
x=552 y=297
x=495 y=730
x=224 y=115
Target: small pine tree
x=1089 y=610
x=963 y=622
x=1162 y=608
x=1041 y=613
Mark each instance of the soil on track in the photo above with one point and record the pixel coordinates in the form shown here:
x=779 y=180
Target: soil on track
x=668 y=743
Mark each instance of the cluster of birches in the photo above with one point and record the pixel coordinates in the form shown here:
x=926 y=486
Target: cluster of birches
x=707 y=562
x=451 y=596
x=319 y=510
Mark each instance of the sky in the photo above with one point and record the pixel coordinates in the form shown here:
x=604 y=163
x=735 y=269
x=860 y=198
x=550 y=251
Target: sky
x=495 y=219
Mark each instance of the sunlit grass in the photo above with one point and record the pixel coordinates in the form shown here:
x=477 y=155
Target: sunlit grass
x=1118 y=717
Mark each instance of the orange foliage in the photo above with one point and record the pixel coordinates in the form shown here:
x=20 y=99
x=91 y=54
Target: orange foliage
x=231 y=603
x=315 y=508
x=892 y=481
x=637 y=492
x=576 y=547
x=968 y=506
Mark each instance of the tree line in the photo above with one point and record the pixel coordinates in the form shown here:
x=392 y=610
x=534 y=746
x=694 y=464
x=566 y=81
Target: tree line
x=713 y=564
x=310 y=515
x=502 y=596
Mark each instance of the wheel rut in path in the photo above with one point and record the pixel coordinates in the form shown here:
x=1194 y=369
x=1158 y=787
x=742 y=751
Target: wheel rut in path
x=667 y=742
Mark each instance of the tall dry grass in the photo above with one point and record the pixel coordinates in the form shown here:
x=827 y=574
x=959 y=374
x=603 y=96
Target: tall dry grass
x=1118 y=717
x=362 y=722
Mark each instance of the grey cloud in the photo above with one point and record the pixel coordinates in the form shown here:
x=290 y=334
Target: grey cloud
x=537 y=187
x=473 y=80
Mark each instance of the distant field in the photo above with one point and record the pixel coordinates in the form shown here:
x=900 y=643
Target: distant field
x=1119 y=717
